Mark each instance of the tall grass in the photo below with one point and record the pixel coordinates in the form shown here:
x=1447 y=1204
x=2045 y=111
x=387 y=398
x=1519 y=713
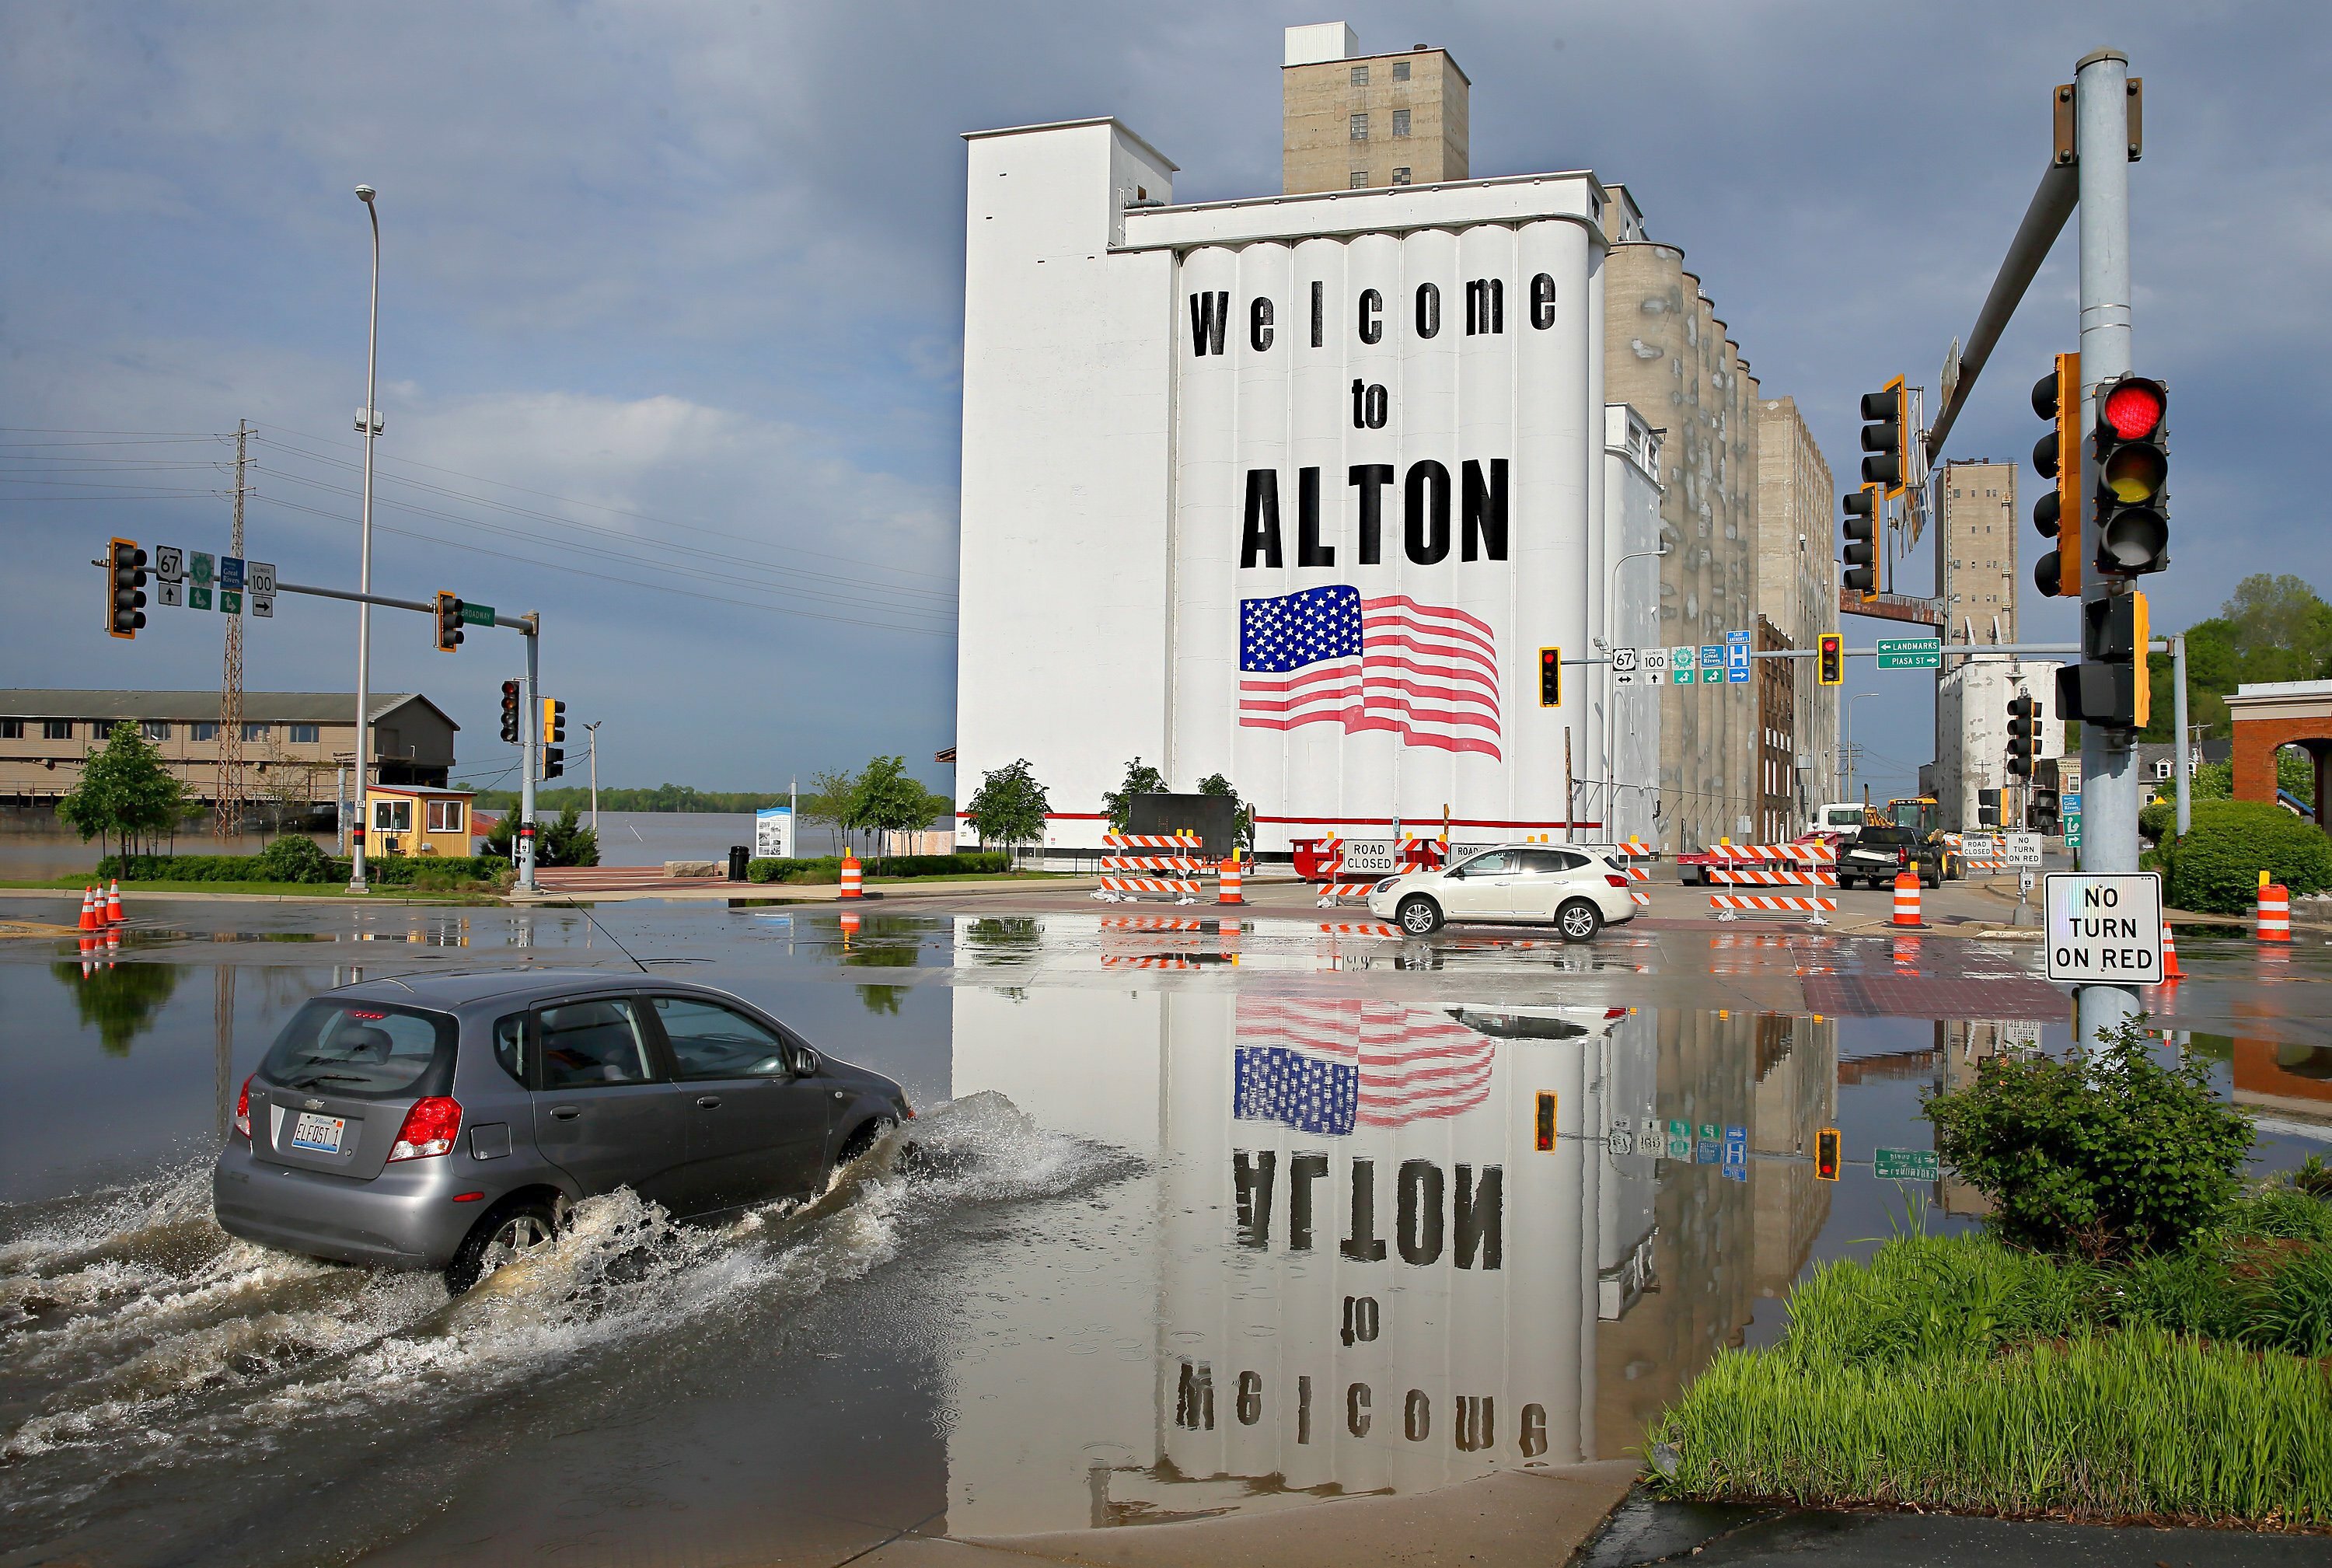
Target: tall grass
x=1959 y=1373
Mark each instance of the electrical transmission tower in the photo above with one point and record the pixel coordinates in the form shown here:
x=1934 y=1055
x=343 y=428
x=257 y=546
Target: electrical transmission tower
x=228 y=819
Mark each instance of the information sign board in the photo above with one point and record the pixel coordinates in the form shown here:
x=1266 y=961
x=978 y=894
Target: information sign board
x=230 y=601
x=773 y=833
x=230 y=571
x=2103 y=927
x=2069 y=815
x=1910 y=653
x=1904 y=1165
x=262 y=605
x=1712 y=663
x=477 y=615
x=1656 y=664
x=170 y=591
x=2023 y=851
x=169 y=564
x=198 y=597
x=1623 y=666
x=1680 y=1140
x=1682 y=665
x=1979 y=847
x=200 y=570
x=259 y=576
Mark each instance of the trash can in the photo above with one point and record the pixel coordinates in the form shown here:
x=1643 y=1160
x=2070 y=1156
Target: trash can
x=737 y=856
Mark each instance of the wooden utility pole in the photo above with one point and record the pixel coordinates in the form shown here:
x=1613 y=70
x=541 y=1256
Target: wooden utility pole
x=226 y=819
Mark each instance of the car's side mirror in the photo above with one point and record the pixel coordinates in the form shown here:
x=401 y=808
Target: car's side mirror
x=806 y=1061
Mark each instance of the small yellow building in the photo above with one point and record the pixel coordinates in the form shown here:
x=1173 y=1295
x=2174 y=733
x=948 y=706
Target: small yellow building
x=417 y=819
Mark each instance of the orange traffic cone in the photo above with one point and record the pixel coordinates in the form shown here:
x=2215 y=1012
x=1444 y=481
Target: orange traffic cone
x=1907 y=899
x=2170 y=970
x=113 y=905
x=851 y=887
x=89 y=909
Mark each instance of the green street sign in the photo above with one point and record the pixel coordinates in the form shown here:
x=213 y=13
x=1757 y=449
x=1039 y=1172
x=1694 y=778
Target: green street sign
x=1679 y=1141
x=230 y=601
x=477 y=615
x=198 y=598
x=1905 y=1164
x=1910 y=653
x=200 y=570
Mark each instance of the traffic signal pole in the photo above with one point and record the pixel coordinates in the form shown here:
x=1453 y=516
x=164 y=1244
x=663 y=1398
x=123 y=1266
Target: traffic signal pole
x=2185 y=746
x=531 y=718
x=2108 y=762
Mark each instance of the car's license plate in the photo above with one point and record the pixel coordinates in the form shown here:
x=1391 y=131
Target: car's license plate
x=320 y=1133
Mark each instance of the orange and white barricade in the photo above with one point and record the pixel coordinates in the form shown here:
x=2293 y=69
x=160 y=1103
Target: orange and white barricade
x=1635 y=849
x=1802 y=864
x=1163 y=864
x=1726 y=905
x=1228 y=883
x=1907 y=899
x=852 y=882
x=2274 y=911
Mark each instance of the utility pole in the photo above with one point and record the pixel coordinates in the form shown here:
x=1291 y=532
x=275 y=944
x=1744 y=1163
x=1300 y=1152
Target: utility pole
x=368 y=424
x=2185 y=746
x=530 y=731
x=2108 y=763
x=227 y=816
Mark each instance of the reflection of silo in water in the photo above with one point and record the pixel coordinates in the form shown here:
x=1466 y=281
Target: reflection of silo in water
x=1375 y=1277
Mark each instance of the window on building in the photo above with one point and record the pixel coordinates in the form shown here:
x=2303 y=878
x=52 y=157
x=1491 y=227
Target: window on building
x=56 y=729
x=1401 y=70
x=1401 y=176
x=1399 y=122
x=156 y=729
x=392 y=817
x=1359 y=76
x=206 y=731
x=445 y=816
x=100 y=729
x=303 y=734
x=12 y=729
x=255 y=732
x=1360 y=179
x=1359 y=128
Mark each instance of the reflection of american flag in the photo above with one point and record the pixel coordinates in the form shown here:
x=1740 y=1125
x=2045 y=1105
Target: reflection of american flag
x=1428 y=673
x=1328 y=1066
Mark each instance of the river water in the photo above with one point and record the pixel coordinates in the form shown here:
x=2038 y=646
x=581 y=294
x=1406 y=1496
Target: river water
x=1214 y=1219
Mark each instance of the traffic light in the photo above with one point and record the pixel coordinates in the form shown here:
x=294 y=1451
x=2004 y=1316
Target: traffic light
x=1831 y=662
x=1886 y=437
x=2023 y=735
x=509 y=711
x=1826 y=1154
x=554 y=730
x=2112 y=685
x=2133 y=447
x=1549 y=678
x=1861 y=554
x=2057 y=397
x=125 y=587
x=449 y=622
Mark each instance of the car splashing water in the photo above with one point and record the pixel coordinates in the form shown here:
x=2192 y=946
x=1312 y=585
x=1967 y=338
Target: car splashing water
x=136 y=1337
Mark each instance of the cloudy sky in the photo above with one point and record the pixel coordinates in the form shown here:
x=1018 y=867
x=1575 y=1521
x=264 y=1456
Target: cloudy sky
x=671 y=295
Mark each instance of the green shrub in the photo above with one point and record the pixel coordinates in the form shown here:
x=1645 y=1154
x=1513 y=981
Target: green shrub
x=2215 y=868
x=2155 y=822
x=827 y=870
x=293 y=858
x=2102 y=1153
x=385 y=871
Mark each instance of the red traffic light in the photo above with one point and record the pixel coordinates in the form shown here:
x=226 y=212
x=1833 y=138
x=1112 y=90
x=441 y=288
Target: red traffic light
x=1827 y=1154
x=2132 y=408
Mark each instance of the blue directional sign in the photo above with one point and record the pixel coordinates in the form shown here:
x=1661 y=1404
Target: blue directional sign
x=1712 y=663
x=1737 y=656
x=230 y=571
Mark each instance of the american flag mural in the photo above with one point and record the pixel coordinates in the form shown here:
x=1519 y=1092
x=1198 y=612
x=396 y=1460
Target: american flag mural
x=1327 y=1067
x=1428 y=673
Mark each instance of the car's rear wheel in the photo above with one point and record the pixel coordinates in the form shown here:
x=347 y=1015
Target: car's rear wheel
x=1579 y=920
x=502 y=1236
x=1419 y=916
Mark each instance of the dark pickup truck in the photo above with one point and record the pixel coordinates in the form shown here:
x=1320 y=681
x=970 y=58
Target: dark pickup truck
x=1877 y=854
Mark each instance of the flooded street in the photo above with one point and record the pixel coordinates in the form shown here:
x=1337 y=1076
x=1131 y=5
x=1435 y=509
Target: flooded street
x=1201 y=1217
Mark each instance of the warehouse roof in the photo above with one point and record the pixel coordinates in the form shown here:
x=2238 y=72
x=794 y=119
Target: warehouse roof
x=258 y=707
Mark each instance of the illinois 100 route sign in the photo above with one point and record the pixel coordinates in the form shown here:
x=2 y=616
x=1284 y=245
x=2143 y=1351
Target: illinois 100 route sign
x=2104 y=928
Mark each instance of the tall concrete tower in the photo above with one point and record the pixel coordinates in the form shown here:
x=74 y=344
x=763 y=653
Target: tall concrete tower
x=1353 y=120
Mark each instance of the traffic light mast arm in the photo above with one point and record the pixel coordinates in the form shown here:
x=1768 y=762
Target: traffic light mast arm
x=527 y=623
x=2044 y=219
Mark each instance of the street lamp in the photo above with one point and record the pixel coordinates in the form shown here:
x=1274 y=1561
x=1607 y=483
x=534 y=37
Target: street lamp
x=1846 y=786
x=368 y=424
x=592 y=729
x=1610 y=687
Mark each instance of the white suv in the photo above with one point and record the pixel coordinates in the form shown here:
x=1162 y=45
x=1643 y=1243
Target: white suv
x=1576 y=890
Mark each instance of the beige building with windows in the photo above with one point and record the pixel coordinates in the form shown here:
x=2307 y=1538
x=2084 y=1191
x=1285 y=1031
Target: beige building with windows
x=1797 y=592
x=1977 y=513
x=1353 y=120
x=294 y=743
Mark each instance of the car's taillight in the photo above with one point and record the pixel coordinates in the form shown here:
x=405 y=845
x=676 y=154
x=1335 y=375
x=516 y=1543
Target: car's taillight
x=243 y=1111
x=430 y=1128
x=1615 y=881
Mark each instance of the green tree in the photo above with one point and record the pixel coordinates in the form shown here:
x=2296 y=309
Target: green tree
x=886 y=800
x=1140 y=779
x=125 y=793
x=1243 y=814
x=827 y=803
x=2272 y=628
x=120 y=1003
x=1009 y=807
x=567 y=842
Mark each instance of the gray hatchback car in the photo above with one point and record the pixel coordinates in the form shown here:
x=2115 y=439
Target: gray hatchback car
x=446 y=1121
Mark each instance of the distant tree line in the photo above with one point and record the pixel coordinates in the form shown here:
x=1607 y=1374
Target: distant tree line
x=662 y=798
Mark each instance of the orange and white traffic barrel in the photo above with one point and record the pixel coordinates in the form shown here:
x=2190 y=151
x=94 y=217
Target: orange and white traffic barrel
x=1228 y=884
x=1906 y=898
x=851 y=887
x=113 y=905
x=2274 y=912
